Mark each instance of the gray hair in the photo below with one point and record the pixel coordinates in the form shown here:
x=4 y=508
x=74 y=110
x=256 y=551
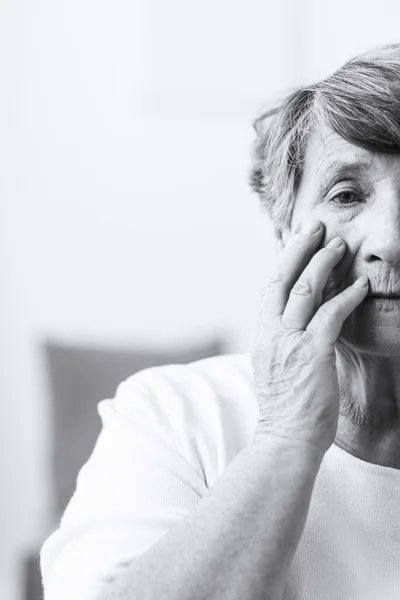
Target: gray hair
x=360 y=102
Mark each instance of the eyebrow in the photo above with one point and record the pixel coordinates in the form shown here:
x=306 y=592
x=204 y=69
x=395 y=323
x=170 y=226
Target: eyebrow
x=335 y=170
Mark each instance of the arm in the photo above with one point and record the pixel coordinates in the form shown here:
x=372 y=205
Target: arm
x=239 y=542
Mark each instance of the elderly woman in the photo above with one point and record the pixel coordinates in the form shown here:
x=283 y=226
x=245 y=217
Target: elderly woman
x=273 y=474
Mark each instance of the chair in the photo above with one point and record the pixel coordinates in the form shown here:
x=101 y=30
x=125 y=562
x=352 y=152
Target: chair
x=79 y=376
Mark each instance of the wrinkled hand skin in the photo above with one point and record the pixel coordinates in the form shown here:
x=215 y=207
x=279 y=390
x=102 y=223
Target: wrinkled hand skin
x=297 y=389
x=296 y=381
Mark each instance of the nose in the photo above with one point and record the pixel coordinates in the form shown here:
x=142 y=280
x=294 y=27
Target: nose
x=383 y=238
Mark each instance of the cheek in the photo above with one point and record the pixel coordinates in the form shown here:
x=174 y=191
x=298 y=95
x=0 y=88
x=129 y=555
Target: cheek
x=342 y=275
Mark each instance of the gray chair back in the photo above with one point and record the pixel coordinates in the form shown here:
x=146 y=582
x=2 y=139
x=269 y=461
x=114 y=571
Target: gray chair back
x=79 y=376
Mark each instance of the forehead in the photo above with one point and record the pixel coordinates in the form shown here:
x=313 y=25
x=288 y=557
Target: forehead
x=326 y=150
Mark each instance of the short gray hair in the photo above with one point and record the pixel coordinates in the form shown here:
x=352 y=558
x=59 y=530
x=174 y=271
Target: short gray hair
x=360 y=102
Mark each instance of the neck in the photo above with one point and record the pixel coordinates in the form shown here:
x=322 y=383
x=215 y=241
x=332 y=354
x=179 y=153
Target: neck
x=369 y=419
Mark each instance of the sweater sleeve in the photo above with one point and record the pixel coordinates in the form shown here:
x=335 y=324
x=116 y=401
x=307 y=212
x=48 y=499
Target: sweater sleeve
x=135 y=485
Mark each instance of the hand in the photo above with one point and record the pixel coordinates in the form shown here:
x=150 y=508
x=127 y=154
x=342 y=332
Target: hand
x=292 y=350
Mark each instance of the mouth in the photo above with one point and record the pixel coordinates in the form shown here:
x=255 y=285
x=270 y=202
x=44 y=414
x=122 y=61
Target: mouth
x=381 y=297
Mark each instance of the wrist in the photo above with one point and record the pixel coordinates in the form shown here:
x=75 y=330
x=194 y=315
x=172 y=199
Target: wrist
x=262 y=441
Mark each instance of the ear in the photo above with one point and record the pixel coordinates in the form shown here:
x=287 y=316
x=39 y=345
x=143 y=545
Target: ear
x=279 y=244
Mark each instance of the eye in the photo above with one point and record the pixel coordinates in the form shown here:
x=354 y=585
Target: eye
x=346 y=198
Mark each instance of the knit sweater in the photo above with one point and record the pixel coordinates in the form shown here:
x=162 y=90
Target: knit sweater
x=167 y=436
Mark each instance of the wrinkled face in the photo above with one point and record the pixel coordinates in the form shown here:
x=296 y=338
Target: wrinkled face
x=356 y=195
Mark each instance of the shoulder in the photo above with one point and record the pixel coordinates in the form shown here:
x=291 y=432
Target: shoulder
x=206 y=410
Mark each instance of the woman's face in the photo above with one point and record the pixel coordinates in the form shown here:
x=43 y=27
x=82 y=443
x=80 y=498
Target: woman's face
x=356 y=195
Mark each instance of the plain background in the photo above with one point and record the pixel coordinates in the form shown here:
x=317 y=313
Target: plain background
x=125 y=211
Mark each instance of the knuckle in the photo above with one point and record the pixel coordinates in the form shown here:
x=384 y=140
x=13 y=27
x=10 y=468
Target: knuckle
x=265 y=319
x=332 y=308
x=274 y=278
x=308 y=340
x=291 y=325
x=302 y=288
x=301 y=241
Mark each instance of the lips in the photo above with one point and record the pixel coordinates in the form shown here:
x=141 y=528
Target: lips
x=384 y=299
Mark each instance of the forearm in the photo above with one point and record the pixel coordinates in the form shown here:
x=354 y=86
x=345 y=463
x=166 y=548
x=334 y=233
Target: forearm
x=240 y=541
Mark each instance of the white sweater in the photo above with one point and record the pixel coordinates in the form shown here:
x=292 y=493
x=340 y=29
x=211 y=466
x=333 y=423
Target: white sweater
x=167 y=436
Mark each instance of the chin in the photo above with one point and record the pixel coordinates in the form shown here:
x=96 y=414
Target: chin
x=372 y=337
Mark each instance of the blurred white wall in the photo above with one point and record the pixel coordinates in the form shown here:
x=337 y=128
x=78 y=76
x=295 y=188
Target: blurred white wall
x=333 y=32
x=125 y=213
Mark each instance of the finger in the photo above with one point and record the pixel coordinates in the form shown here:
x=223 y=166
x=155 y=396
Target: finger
x=325 y=326
x=306 y=295
x=290 y=263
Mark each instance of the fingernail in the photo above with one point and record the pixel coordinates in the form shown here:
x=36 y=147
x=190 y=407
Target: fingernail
x=335 y=243
x=311 y=226
x=361 y=282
